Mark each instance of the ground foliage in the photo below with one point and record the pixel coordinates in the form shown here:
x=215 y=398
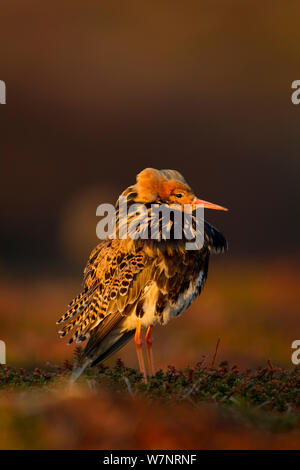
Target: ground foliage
x=265 y=398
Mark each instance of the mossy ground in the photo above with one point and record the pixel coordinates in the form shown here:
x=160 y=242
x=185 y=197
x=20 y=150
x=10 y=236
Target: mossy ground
x=266 y=398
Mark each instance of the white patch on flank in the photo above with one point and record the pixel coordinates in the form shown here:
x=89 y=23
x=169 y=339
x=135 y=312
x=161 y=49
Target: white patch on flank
x=171 y=311
x=149 y=307
x=184 y=301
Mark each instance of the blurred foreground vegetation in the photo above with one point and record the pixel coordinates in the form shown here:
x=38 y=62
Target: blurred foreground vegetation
x=205 y=407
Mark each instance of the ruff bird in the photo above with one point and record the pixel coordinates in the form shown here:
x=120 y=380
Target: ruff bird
x=134 y=283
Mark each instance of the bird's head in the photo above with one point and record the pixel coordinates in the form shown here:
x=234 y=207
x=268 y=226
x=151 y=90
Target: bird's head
x=165 y=187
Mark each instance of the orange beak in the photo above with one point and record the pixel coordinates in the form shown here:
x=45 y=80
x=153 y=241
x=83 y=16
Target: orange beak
x=208 y=205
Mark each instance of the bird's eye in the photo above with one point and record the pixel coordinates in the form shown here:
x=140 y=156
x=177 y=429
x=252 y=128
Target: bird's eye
x=178 y=195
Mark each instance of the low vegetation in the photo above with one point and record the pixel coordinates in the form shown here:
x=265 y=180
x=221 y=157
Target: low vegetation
x=267 y=398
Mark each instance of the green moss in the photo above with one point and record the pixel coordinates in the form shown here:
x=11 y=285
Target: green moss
x=267 y=397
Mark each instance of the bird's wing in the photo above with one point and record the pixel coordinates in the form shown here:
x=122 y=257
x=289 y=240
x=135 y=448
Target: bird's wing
x=114 y=280
x=215 y=239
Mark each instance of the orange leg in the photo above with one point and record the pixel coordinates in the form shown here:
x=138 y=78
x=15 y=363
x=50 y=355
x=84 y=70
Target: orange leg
x=148 y=341
x=138 y=346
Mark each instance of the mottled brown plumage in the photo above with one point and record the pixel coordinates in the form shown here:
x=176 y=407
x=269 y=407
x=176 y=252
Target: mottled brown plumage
x=130 y=284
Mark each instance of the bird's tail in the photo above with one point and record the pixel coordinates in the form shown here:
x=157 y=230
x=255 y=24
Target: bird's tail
x=78 y=370
x=94 y=352
x=117 y=344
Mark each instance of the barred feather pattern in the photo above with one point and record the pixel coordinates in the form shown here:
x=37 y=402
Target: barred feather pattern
x=108 y=277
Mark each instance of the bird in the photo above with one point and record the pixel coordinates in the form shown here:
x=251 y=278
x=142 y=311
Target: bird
x=132 y=284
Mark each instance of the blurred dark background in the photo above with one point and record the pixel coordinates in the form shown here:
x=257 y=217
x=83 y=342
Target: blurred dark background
x=97 y=91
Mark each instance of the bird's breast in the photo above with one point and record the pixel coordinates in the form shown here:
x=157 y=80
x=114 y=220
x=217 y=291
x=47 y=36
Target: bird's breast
x=162 y=301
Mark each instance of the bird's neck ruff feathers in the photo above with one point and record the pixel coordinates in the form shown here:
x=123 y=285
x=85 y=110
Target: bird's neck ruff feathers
x=165 y=240
x=154 y=187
